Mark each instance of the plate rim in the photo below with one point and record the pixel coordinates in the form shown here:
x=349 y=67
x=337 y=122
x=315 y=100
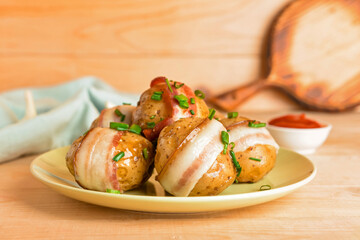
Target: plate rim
x=173 y=199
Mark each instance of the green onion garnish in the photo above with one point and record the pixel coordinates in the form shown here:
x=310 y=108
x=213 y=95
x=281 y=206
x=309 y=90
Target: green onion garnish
x=120 y=114
x=232 y=144
x=152 y=117
x=233 y=114
x=178 y=86
x=157 y=95
x=125 y=103
x=118 y=156
x=134 y=128
x=183 y=101
x=256 y=125
x=237 y=165
x=236 y=181
x=265 y=187
x=119 y=126
x=168 y=84
x=228 y=130
x=225 y=140
x=145 y=153
x=112 y=191
x=199 y=94
x=150 y=124
x=192 y=100
x=192 y=112
x=211 y=113
x=255 y=159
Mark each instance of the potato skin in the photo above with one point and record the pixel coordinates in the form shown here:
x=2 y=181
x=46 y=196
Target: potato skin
x=220 y=175
x=71 y=154
x=132 y=171
x=148 y=107
x=253 y=171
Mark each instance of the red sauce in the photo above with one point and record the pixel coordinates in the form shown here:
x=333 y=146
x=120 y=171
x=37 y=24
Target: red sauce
x=295 y=121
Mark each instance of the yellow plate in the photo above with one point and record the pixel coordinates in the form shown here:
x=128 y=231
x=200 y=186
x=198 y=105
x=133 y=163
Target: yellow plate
x=291 y=171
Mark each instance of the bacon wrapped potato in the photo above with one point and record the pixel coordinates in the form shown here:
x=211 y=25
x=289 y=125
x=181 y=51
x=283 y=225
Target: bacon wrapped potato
x=106 y=159
x=255 y=149
x=164 y=103
x=189 y=158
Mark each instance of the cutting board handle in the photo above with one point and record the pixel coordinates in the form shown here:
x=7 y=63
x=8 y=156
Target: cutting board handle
x=228 y=101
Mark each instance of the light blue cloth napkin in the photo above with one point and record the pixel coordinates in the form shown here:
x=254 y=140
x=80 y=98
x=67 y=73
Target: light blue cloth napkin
x=64 y=113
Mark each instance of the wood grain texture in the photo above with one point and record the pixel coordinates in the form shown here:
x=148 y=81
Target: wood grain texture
x=326 y=208
x=208 y=43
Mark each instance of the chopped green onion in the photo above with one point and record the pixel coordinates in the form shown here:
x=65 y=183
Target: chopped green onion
x=118 y=156
x=150 y=124
x=228 y=130
x=181 y=98
x=192 y=100
x=265 y=187
x=237 y=165
x=233 y=114
x=161 y=119
x=125 y=103
x=119 y=126
x=224 y=137
x=217 y=118
x=225 y=148
x=256 y=125
x=183 y=101
x=211 y=113
x=152 y=117
x=255 y=159
x=145 y=153
x=199 y=94
x=134 y=128
x=225 y=140
x=112 y=191
x=168 y=84
x=158 y=92
x=178 y=86
x=236 y=181
x=232 y=144
x=120 y=114
x=156 y=97
x=192 y=112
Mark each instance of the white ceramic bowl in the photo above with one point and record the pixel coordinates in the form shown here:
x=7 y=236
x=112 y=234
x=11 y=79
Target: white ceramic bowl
x=301 y=140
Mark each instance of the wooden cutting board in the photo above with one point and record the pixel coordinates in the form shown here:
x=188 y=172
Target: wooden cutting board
x=314 y=55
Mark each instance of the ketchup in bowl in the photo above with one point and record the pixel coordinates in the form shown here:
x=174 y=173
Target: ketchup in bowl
x=295 y=121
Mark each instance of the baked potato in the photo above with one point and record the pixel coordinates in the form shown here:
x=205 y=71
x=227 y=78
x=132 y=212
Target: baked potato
x=192 y=146
x=109 y=159
x=163 y=104
x=255 y=149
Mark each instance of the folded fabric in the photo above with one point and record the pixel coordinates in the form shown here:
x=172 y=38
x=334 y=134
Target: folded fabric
x=64 y=112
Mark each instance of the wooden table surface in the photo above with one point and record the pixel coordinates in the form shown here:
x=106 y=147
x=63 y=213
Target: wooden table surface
x=326 y=208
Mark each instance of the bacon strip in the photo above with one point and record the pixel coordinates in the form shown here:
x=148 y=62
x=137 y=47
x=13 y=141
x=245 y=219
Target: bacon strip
x=244 y=136
x=192 y=159
x=108 y=115
x=93 y=164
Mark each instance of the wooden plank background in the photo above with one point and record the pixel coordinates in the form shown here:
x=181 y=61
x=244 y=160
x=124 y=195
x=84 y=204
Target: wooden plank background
x=211 y=44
